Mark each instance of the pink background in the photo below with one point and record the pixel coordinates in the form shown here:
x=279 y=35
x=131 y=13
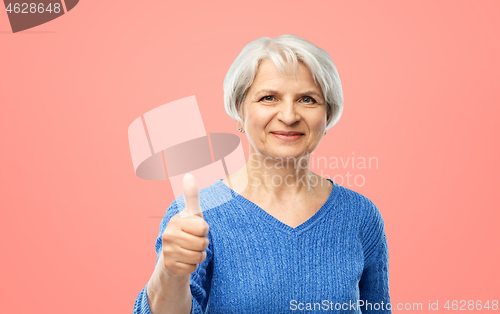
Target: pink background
x=420 y=81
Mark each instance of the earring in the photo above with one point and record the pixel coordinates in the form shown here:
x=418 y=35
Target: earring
x=240 y=129
x=325 y=132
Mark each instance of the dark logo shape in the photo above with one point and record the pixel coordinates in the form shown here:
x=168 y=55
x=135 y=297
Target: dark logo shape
x=24 y=14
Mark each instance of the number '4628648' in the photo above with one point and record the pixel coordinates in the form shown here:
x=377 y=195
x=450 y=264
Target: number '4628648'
x=33 y=8
x=462 y=305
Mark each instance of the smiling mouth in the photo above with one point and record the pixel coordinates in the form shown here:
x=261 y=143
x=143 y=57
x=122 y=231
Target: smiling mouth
x=287 y=133
x=287 y=136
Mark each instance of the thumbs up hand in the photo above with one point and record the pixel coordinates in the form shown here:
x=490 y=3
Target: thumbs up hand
x=185 y=238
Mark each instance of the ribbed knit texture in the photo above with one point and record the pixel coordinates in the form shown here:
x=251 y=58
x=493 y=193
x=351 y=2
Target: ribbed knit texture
x=257 y=264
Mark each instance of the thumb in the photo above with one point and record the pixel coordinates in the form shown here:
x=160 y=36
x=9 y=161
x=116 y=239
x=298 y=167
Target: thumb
x=191 y=196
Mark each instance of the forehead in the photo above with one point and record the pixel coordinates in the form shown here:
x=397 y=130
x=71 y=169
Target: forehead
x=269 y=75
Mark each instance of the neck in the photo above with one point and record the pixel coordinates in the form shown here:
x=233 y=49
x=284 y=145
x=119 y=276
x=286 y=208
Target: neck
x=280 y=175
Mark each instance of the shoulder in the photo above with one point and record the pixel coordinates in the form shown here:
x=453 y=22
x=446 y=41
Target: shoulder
x=358 y=205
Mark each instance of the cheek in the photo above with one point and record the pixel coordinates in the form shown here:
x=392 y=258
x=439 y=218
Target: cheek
x=256 y=120
x=255 y=130
x=317 y=122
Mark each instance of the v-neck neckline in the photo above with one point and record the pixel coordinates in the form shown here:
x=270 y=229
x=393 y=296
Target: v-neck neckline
x=255 y=209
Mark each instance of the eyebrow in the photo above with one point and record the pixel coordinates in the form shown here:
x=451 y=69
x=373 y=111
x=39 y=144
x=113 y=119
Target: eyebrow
x=270 y=91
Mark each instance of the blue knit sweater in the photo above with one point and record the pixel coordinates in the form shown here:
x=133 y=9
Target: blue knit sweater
x=337 y=261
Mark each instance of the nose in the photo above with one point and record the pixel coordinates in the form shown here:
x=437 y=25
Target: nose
x=288 y=113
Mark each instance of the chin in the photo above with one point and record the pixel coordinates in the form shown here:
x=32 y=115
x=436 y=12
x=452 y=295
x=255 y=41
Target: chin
x=287 y=153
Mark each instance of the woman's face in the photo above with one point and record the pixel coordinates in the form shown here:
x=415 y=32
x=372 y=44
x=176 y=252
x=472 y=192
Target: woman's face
x=284 y=116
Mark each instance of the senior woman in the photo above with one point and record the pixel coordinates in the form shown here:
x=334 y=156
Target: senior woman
x=274 y=237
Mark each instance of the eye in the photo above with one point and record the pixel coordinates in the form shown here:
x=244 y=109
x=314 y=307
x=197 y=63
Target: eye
x=309 y=100
x=267 y=98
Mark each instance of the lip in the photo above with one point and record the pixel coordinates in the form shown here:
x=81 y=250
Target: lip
x=289 y=136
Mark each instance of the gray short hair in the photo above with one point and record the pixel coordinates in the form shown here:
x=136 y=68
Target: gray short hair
x=279 y=50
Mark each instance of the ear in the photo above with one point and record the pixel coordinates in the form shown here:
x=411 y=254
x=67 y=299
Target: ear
x=240 y=127
x=241 y=110
x=241 y=124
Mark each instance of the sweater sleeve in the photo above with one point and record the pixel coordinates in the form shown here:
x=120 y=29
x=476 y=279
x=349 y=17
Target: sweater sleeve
x=200 y=278
x=374 y=282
